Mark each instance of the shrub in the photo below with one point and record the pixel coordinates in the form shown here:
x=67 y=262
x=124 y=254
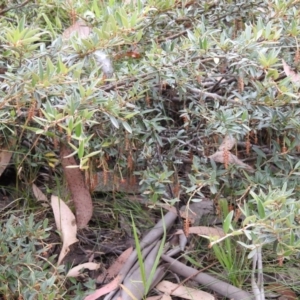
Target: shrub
x=24 y=269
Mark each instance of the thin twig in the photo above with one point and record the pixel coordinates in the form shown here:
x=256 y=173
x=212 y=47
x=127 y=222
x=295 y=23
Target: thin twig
x=14 y=7
x=170 y=37
x=207 y=94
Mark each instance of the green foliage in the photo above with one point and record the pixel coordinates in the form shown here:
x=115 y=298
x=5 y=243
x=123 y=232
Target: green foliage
x=24 y=271
x=272 y=218
x=229 y=253
x=233 y=259
x=54 y=90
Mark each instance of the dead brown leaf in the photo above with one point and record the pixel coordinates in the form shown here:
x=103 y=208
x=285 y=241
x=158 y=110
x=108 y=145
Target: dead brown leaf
x=75 y=272
x=5 y=157
x=295 y=77
x=204 y=230
x=285 y=292
x=39 y=195
x=228 y=143
x=115 y=268
x=160 y=297
x=232 y=159
x=104 y=290
x=183 y=291
x=78 y=27
x=65 y=223
x=224 y=156
x=78 y=189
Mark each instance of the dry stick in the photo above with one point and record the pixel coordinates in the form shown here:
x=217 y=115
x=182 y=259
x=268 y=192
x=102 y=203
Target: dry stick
x=257 y=288
x=203 y=93
x=191 y=276
x=13 y=7
x=155 y=234
x=260 y=273
x=216 y=285
x=170 y=37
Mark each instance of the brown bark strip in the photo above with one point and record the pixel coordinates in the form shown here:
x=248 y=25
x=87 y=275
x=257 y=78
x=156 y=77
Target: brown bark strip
x=76 y=184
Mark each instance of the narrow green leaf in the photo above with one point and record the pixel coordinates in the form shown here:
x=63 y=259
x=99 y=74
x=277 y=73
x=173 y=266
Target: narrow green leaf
x=261 y=209
x=114 y=121
x=259 y=152
x=93 y=154
x=139 y=253
x=81 y=149
x=41 y=71
x=127 y=127
x=78 y=129
x=157 y=259
x=252 y=253
x=227 y=222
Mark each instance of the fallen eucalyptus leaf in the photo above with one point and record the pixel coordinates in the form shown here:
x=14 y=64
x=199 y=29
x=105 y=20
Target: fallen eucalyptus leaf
x=295 y=77
x=76 y=271
x=65 y=223
x=78 y=27
x=77 y=186
x=39 y=195
x=105 y=289
x=204 y=230
x=5 y=157
x=115 y=268
x=232 y=159
x=183 y=291
x=228 y=143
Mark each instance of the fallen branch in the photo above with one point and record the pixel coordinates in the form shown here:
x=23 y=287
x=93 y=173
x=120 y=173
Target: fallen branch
x=220 y=287
x=133 y=282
